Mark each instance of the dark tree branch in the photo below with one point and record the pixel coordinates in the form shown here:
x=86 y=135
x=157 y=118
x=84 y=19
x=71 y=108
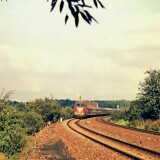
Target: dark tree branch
x=77 y=7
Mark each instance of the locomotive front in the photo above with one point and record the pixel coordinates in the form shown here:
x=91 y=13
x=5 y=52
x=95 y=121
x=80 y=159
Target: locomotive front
x=80 y=110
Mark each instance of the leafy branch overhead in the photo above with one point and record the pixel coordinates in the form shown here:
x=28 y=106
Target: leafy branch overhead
x=77 y=8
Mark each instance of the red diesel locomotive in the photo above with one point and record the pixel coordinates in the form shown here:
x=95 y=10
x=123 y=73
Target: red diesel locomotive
x=89 y=108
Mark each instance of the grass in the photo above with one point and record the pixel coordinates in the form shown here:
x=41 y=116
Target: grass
x=141 y=124
x=122 y=122
x=152 y=125
x=29 y=146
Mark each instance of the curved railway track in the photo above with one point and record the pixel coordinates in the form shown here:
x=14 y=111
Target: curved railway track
x=103 y=120
x=130 y=150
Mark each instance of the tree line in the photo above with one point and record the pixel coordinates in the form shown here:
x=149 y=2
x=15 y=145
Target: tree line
x=101 y=103
x=113 y=103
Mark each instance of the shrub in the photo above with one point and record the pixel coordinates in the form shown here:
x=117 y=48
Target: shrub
x=140 y=124
x=118 y=115
x=66 y=113
x=152 y=125
x=122 y=122
x=32 y=122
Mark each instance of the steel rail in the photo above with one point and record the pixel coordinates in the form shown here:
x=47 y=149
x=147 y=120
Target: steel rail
x=114 y=147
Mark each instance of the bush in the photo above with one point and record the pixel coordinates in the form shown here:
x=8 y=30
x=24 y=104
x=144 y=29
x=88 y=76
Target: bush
x=122 y=122
x=11 y=142
x=140 y=124
x=32 y=122
x=66 y=113
x=152 y=125
x=146 y=124
x=11 y=133
x=49 y=109
x=118 y=115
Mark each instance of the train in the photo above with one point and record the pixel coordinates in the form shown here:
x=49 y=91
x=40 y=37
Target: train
x=84 y=109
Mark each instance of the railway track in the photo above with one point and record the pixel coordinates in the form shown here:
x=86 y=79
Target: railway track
x=130 y=150
x=103 y=120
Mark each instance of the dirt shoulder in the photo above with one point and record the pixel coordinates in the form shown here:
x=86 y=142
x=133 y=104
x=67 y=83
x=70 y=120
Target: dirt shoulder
x=45 y=145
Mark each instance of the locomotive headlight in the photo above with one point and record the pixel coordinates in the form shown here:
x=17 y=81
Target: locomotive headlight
x=79 y=110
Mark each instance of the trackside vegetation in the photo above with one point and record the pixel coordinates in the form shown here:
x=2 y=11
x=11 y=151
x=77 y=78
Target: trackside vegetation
x=19 y=121
x=144 y=112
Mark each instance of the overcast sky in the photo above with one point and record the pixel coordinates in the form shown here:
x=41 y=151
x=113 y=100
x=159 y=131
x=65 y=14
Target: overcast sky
x=40 y=56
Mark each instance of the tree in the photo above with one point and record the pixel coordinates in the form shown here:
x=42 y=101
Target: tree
x=135 y=111
x=4 y=96
x=49 y=109
x=77 y=7
x=32 y=121
x=113 y=103
x=147 y=105
x=150 y=94
x=66 y=112
x=66 y=102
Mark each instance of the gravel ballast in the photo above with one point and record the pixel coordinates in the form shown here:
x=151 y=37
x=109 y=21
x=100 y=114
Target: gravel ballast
x=58 y=142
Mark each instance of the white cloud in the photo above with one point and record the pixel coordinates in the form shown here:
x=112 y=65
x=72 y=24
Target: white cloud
x=39 y=55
